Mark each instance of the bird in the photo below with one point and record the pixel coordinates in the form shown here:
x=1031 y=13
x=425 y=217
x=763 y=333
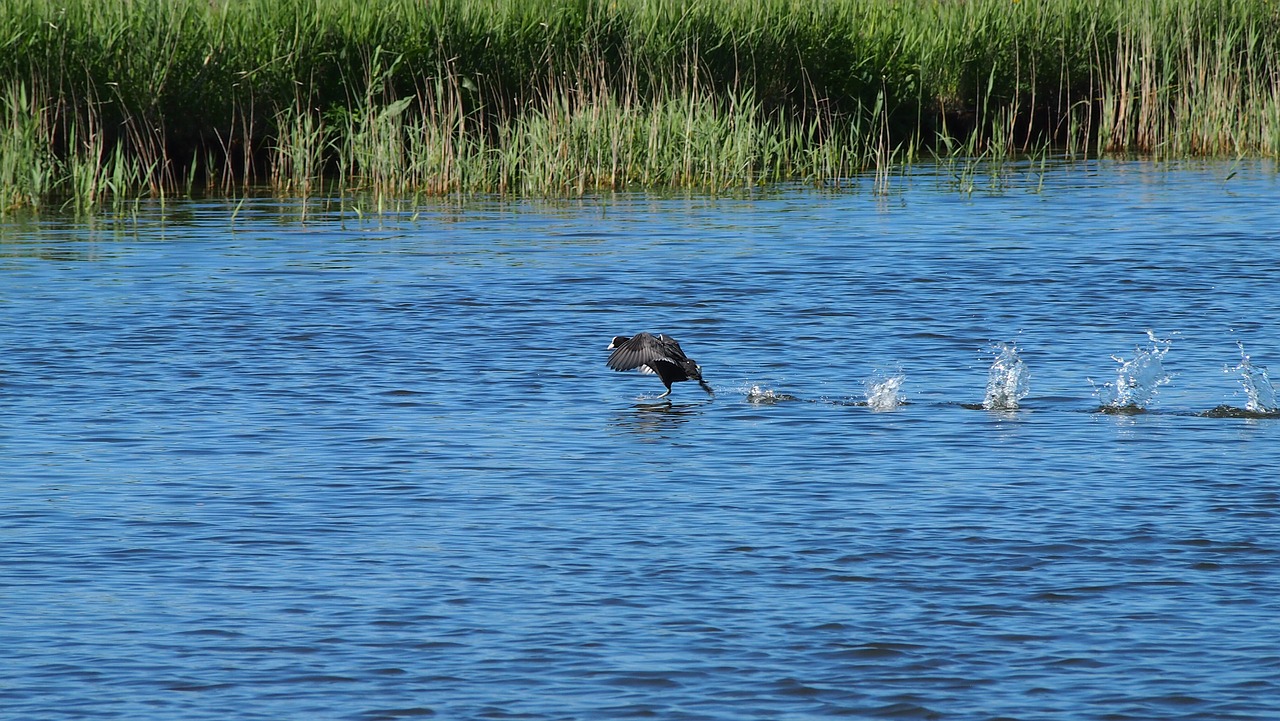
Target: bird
x=660 y=354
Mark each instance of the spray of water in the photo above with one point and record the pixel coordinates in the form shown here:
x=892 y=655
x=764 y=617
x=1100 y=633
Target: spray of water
x=1007 y=380
x=883 y=391
x=1257 y=386
x=767 y=396
x=1137 y=379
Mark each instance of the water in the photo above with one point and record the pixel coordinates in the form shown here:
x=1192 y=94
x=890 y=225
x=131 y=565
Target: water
x=372 y=469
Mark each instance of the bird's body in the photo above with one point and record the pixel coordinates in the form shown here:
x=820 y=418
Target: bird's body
x=659 y=354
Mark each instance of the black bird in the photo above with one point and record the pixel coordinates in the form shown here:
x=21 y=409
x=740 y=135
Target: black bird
x=659 y=354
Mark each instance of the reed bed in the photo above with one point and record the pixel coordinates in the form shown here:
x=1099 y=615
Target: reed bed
x=108 y=99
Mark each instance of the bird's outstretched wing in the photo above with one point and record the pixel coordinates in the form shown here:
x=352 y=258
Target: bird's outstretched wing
x=670 y=347
x=639 y=351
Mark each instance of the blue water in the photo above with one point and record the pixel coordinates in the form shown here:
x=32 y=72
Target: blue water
x=258 y=465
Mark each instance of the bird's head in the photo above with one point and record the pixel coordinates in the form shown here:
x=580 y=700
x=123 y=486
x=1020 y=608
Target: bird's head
x=617 y=341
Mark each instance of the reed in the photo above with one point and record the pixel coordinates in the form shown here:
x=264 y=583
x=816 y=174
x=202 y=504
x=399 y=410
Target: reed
x=1213 y=92
x=118 y=98
x=27 y=163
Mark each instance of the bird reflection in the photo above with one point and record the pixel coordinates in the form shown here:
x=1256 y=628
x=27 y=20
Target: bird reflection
x=655 y=419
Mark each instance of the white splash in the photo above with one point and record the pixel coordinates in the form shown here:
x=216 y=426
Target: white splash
x=883 y=391
x=1137 y=379
x=1257 y=386
x=756 y=394
x=1007 y=380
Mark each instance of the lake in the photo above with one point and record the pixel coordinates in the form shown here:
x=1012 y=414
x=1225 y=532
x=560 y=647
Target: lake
x=261 y=463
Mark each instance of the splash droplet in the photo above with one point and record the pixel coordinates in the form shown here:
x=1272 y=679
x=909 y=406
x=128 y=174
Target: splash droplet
x=1007 y=380
x=883 y=391
x=1257 y=386
x=1137 y=379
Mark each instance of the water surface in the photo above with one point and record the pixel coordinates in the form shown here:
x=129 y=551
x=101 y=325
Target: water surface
x=376 y=468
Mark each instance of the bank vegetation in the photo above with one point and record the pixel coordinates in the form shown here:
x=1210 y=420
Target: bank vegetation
x=108 y=99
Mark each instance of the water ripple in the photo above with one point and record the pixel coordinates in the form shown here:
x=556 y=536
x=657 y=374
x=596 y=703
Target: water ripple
x=364 y=471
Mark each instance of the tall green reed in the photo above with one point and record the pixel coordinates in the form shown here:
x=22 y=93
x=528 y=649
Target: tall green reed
x=27 y=163
x=86 y=176
x=145 y=97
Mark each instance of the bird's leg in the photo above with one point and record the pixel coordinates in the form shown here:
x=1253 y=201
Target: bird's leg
x=664 y=395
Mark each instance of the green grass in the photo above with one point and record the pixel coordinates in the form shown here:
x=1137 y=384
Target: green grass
x=108 y=99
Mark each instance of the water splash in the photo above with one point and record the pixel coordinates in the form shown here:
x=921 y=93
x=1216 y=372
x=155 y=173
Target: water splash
x=1007 y=380
x=883 y=391
x=1257 y=386
x=767 y=396
x=1137 y=379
